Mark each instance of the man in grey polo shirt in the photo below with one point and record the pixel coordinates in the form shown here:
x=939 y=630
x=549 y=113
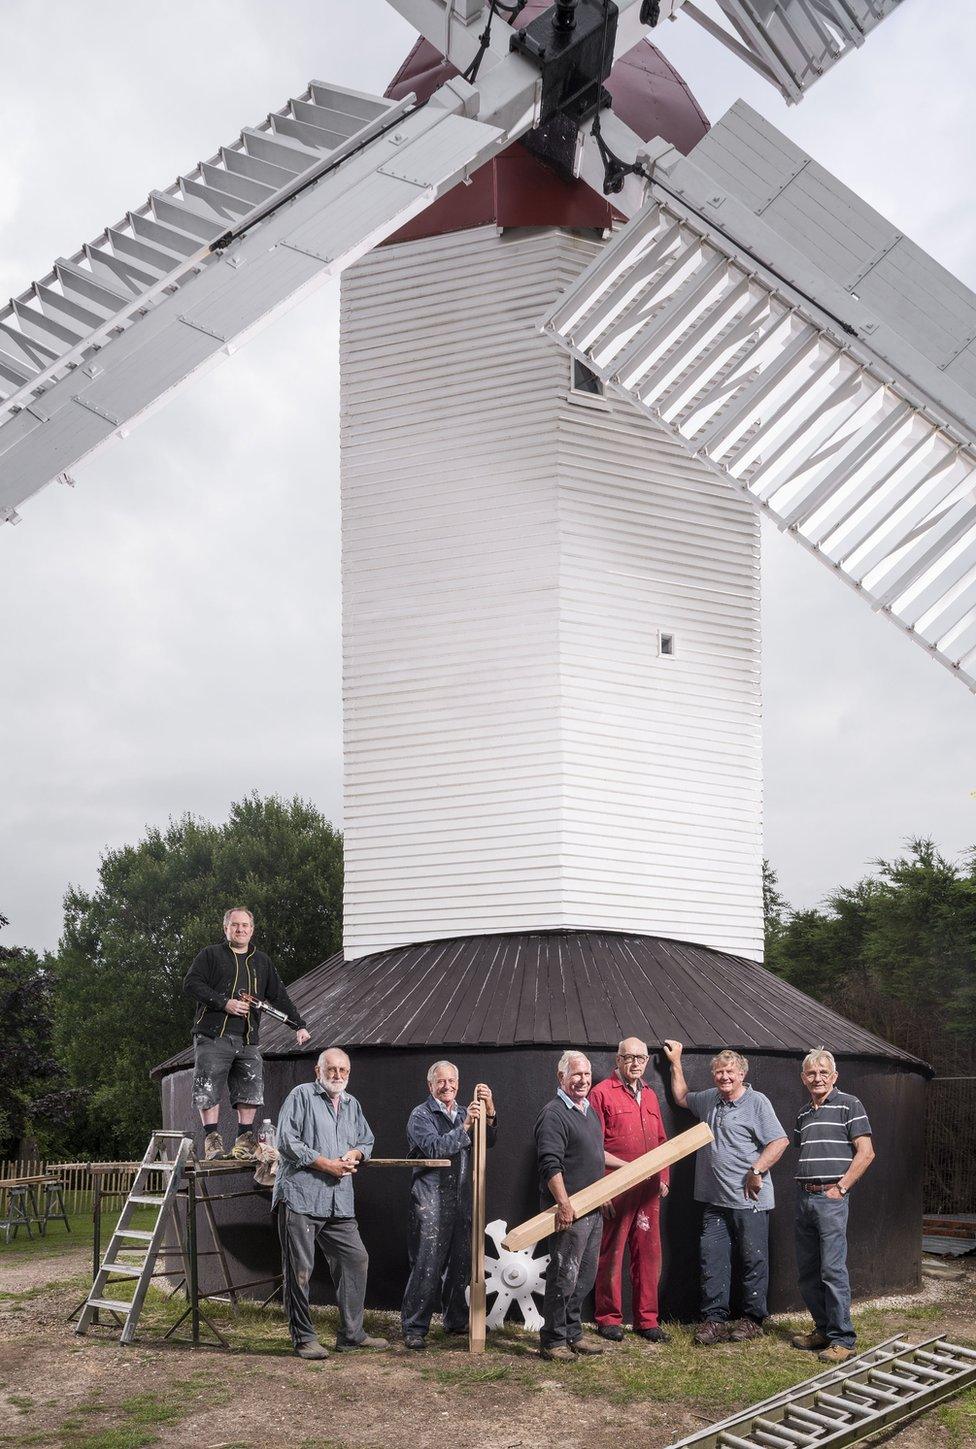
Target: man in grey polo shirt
x=732 y=1182
x=833 y=1135
x=323 y=1136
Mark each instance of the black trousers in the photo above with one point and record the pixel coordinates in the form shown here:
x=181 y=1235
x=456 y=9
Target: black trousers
x=573 y=1257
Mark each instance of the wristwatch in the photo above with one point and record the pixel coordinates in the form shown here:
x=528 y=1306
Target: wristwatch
x=842 y=1190
x=756 y=1173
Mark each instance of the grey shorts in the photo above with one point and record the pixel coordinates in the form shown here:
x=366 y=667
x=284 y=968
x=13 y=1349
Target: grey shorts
x=225 y=1061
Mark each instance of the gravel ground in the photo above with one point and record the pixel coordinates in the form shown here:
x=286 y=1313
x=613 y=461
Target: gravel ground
x=57 y=1389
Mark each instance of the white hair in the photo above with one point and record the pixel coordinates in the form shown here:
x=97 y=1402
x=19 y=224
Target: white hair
x=819 y=1054
x=572 y=1054
x=233 y=912
x=432 y=1071
x=319 y=1065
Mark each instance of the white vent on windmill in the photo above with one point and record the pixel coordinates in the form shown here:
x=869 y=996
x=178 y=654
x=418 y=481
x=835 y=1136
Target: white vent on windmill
x=816 y=358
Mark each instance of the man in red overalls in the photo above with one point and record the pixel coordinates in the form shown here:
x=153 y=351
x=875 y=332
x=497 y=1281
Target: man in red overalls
x=632 y=1125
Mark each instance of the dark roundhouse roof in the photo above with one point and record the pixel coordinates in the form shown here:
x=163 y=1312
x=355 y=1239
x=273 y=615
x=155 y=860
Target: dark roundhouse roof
x=558 y=988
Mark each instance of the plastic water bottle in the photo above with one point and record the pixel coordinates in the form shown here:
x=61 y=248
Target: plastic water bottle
x=268 y=1135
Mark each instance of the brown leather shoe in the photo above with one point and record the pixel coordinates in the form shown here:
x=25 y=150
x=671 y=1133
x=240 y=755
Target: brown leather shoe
x=558 y=1353
x=836 y=1353
x=587 y=1347
x=745 y=1329
x=711 y=1331
x=813 y=1340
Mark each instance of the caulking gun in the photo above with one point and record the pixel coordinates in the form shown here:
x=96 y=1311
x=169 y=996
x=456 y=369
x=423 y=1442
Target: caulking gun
x=270 y=1010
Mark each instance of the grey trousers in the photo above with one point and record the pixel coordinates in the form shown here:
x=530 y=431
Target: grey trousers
x=573 y=1257
x=348 y=1262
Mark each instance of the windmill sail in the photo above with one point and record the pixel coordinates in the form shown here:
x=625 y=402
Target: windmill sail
x=815 y=357
x=791 y=43
x=172 y=286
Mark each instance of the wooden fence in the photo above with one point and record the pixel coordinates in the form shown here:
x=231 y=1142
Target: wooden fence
x=77 y=1179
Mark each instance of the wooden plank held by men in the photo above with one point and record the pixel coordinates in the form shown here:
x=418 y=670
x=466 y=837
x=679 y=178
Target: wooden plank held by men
x=628 y=1176
x=476 y=1314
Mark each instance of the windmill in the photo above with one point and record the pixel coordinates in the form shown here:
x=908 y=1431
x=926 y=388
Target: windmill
x=551 y=677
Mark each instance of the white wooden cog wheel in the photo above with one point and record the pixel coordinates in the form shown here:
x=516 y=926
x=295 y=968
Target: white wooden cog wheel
x=513 y=1278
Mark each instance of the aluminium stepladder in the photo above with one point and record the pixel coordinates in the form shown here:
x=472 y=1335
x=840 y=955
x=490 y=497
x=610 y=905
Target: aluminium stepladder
x=165 y=1158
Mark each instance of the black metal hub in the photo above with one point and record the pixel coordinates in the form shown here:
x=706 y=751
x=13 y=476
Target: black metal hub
x=572 y=44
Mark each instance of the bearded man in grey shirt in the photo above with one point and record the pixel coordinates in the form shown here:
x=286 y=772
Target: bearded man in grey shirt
x=732 y=1182
x=323 y=1136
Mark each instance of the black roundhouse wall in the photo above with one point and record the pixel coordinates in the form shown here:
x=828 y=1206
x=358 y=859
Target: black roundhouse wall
x=886 y=1207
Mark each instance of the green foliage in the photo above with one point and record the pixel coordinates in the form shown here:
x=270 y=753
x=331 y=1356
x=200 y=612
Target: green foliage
x=34 y=1106
x=895 y=953
x=119 y=1007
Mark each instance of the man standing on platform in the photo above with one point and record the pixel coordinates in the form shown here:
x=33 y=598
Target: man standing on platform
x=631 y=1118
x=733 y=1184
x=323 y=1136
x=569 y=1145
x=834 y=1137
x=226 y=1028
x=440 y=1205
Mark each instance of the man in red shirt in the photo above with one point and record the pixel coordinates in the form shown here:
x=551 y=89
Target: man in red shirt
x=632 y=1125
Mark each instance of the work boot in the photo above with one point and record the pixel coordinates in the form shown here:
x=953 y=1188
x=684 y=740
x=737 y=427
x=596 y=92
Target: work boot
x=711 y=1331
x=245 y=1147
x=416 y=1342
x=558 y=1353
x=610 y=1331
x=345 y=1345
x=586 y=1347
x=836 y=1353
x=813 y=1340
x=312 y=1349
x=745 y=1329
x=653 y=1335
x=213 y=1145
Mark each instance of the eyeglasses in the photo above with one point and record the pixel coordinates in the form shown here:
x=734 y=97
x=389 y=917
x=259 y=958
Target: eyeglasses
x=631 y=1057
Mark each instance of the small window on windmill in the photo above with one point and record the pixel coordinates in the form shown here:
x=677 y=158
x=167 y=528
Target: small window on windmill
x=667 y=644
x=586 y=387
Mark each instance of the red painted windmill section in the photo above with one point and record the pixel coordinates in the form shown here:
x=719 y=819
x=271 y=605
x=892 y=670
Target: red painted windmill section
x=516 y=189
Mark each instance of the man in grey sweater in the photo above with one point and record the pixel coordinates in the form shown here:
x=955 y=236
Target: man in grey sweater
x=323 y=1136
x=569 y=1145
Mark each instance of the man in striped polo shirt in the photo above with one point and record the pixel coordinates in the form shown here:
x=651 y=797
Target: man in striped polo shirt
x=833 y=1135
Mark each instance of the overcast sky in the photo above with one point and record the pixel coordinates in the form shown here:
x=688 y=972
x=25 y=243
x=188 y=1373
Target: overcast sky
x=170 y=628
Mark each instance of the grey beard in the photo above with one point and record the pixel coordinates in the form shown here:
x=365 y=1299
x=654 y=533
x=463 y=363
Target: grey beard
x=334 y=1089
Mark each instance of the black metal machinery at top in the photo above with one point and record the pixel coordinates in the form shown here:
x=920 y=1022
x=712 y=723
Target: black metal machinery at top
x=572 y=44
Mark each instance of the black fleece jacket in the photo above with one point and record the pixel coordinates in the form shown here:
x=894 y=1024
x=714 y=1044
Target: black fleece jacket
x=218 y=973
x=566 y=1141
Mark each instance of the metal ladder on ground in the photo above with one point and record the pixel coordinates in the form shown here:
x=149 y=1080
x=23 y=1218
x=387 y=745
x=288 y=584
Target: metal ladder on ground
x=879 y=1388
x=129 y=1240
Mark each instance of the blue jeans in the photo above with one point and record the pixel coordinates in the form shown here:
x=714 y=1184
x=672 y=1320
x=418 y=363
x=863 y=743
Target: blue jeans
x=821 y=1264
x=746 y=1231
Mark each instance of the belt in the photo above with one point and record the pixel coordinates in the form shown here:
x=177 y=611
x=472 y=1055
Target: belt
x=818 y=1186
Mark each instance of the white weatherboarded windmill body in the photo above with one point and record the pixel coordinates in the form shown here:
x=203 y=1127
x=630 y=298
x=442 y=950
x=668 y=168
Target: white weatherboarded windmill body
x=551 y=673
x=599 y=598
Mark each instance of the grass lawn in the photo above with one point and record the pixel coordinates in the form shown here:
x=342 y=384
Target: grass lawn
x=87 y=1393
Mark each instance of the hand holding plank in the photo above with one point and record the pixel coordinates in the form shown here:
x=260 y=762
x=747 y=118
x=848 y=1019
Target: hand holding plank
x=598 y=1193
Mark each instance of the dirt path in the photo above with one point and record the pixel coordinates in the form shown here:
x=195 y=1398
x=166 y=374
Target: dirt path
x=57 y=1389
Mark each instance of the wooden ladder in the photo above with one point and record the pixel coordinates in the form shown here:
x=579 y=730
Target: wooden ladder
x=166 y=1157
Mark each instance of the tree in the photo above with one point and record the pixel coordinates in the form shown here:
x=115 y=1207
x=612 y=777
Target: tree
x=895 y=953
x=34 y=1106
x=119 y=1007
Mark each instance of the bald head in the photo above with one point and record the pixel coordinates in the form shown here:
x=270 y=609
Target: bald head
x=631 y=1059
